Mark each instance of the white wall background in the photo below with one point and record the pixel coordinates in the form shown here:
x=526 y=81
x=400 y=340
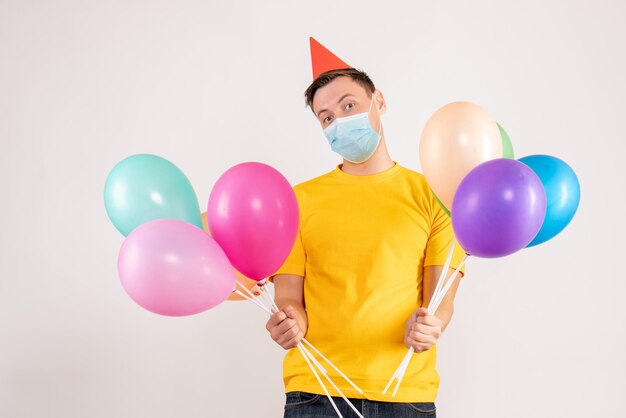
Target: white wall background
x=210 y=84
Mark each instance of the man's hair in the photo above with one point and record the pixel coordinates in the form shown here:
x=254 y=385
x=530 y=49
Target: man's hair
x=357 y=75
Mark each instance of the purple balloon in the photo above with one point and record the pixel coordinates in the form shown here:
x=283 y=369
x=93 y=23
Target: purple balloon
x=498 y=208
x=253 y=214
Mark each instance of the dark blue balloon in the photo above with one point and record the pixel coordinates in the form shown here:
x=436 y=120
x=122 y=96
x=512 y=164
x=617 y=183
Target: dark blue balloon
x=562 y=194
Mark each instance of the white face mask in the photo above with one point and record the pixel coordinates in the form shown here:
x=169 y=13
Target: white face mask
x=352 y=136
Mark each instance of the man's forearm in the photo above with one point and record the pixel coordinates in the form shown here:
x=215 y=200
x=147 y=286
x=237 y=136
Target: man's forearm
x=444 y=313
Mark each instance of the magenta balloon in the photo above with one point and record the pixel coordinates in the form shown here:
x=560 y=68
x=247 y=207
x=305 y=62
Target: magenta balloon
x=498 y=208
x=171 y=267
x=253 y=215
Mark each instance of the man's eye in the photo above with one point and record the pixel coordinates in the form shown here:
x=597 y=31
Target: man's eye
x=328 y=119
x=349 y=106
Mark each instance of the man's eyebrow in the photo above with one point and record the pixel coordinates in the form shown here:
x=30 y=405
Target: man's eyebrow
x=338 y=101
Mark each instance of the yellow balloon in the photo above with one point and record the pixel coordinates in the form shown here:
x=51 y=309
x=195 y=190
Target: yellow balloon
x=250 y=284
x=457 y=137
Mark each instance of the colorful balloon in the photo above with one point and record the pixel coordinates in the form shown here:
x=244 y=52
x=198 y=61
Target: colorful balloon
x=250 y=284
x=457 y=138
x=253 y=215
x=507 y=147
x=145 y=187
x=562 y=192
x=498 y=208
x=173 y=268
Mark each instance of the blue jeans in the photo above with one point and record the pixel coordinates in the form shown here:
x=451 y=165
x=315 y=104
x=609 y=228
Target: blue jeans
x=310 y=405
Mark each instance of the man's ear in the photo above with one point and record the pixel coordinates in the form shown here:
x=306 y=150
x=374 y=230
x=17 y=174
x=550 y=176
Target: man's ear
x=380 y=101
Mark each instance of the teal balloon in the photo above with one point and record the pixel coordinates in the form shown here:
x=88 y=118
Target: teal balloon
x=507 y=146
x=145 y=187
x=562 y=192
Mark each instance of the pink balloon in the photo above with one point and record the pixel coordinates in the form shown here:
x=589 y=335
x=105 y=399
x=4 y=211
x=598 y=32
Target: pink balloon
x=253 y=215
x=171 y=267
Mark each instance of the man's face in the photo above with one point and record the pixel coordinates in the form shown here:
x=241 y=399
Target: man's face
x=344 y=97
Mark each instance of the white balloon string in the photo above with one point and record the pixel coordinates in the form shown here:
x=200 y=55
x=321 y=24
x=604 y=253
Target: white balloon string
x=301 y=348
x=325 y=374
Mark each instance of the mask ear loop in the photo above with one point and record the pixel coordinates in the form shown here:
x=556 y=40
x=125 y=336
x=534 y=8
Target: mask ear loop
x=380 y=128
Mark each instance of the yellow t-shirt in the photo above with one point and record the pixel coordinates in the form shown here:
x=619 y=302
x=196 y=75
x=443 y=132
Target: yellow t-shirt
x=362 y=244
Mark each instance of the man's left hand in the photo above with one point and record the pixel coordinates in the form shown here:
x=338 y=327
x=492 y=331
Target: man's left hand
x=422 y=330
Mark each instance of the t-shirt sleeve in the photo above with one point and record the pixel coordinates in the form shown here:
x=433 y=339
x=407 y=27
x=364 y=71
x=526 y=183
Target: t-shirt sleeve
x=440 y=238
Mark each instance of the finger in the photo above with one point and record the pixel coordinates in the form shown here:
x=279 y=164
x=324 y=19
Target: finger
x=279 y=330
x=275 y=319
x=431 y=320
x=293 y=341
x=427 y=329
x=413 y=317
x=418 y=326
x=284 y=325
x=288 y=335
x=422 y=338
x=421 y=312
x=418 y=346
x=290 y=312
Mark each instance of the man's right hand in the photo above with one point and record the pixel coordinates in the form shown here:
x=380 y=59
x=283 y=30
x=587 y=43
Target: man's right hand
x=284 y=328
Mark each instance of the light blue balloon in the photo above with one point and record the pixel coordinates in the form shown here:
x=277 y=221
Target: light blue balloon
x=562 y=193
x=145 y=187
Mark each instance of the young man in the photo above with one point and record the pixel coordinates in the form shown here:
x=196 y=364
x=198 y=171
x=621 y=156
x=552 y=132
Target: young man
x=371 y=245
